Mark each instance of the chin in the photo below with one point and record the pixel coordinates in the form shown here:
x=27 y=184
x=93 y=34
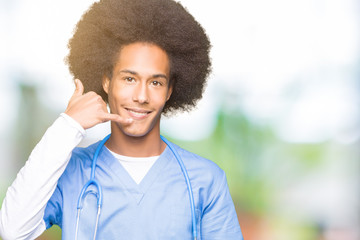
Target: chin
x=137 y=129
x=134 y=132
x=135 y=135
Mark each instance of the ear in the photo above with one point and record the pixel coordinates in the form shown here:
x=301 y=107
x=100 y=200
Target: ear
x=106 y=84
x=169 y=92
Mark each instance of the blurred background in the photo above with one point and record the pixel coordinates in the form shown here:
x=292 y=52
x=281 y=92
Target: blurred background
x=281 y=112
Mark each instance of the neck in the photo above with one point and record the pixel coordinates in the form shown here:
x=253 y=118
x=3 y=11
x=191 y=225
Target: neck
x=134 y=146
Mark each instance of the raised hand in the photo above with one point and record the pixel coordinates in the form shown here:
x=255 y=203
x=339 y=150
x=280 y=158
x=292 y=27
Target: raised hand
x=89 y=109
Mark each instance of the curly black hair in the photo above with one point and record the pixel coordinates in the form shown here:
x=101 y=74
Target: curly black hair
x=109 y=25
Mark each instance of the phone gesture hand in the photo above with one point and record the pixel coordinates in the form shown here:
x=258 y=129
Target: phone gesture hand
x=89 y=109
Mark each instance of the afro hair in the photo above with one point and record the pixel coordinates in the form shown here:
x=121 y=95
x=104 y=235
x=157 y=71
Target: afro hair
x=109 y=25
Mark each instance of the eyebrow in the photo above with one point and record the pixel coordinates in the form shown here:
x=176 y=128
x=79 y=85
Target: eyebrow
x=158 y=75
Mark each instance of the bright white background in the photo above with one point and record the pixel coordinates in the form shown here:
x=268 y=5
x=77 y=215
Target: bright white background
x=300 y=58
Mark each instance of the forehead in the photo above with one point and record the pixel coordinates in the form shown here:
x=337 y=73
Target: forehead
x=145 y=58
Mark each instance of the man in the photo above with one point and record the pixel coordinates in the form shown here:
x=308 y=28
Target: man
x=144 y=58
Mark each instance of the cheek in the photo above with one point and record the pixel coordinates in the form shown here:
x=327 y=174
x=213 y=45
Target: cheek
x=115 y=99
x=118 y=94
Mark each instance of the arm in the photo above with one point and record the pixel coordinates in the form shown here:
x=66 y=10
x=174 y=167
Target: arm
x=23 y=207
x=21 y=215
x=219 y=220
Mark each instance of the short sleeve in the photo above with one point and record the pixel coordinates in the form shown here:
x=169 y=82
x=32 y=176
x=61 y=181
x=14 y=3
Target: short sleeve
x=53 y=210
x=219 y=220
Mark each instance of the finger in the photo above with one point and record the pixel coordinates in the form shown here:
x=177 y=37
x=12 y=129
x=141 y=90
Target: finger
x=116 y=118
x=79 y=88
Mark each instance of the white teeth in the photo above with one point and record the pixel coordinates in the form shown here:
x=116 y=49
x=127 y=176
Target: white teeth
x=137 y=113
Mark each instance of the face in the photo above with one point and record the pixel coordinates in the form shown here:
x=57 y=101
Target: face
x=139 y=88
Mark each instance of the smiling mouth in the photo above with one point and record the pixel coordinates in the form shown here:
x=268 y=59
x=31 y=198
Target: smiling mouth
x=138 y=113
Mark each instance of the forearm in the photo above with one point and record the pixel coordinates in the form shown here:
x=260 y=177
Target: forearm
x=21 y=215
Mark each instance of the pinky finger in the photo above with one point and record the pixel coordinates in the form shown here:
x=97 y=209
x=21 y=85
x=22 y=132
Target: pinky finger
x=116 y=118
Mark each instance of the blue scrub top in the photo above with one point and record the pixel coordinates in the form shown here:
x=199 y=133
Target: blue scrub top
x=157 y=208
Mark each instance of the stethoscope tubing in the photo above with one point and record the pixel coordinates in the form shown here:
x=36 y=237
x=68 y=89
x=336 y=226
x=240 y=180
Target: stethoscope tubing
x=188 y=184
x=95 y=183
x=99 y=194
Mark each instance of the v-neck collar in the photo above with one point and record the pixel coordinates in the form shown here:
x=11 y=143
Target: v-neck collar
x=136 y=190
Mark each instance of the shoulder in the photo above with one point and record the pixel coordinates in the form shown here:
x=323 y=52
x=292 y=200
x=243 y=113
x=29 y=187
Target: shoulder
x=200 y=167
x=81 y=158
x=84 y=152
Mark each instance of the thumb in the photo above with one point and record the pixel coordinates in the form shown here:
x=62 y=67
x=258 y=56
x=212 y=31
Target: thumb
x=79 y=88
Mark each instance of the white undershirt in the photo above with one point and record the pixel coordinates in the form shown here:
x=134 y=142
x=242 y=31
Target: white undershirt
x=137 y=167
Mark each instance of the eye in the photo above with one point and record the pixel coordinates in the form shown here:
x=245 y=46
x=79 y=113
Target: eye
x=129 y=79
x=156 y=83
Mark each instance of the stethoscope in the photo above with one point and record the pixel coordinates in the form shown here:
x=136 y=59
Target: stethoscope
x=99 y=194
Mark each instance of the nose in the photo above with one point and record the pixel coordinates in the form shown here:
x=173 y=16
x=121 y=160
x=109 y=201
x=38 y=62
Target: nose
x=141 y=94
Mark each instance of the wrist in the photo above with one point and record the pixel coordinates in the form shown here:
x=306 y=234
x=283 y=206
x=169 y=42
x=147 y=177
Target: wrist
x=71 y=121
